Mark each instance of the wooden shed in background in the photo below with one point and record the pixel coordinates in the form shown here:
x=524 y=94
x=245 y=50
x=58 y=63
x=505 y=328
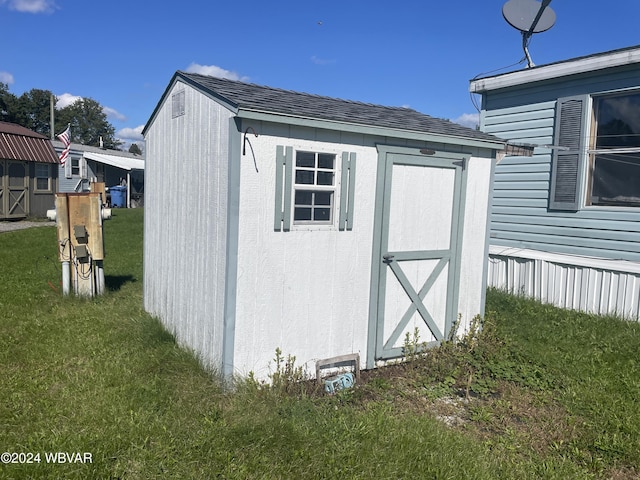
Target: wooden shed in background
x=323 y=227
x=28 y=172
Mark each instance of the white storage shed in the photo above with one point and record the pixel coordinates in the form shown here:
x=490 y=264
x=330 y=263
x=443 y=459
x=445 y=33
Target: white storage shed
x=323 y=227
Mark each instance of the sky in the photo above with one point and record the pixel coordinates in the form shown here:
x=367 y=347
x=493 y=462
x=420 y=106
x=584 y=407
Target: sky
x=416 y=54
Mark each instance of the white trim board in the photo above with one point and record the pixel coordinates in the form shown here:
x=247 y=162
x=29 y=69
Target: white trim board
x=556 y=70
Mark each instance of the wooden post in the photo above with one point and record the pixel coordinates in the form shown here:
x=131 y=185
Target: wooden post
x=81 y=244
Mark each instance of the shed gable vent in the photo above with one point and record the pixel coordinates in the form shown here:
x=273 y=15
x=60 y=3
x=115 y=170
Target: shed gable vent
x=177 y=104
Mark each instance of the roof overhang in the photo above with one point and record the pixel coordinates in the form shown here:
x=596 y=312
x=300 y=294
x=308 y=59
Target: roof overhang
x=368 y=129
x=124 y=163
x=556 y=70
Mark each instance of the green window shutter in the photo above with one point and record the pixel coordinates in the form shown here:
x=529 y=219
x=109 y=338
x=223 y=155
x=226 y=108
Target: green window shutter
x=567 y=162
x=347 y=189
x=284 y=175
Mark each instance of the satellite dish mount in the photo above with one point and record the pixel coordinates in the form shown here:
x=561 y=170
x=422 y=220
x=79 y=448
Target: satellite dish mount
x=529 y=16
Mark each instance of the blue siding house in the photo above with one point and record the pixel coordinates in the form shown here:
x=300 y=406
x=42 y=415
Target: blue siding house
x=565 y=222
x=88 y=165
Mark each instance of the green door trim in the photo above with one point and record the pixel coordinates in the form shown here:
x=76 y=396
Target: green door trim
x=381 y=258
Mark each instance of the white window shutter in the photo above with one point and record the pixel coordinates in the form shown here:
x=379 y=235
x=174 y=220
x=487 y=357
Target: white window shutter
x=67 y=167
x=83 y=168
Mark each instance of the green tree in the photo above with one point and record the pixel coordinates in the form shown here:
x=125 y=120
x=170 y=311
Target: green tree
x=7 y=103
x=135 y=149
x=33 y=110
x=88 y=123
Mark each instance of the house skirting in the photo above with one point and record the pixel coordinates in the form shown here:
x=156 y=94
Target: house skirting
x=592 y=285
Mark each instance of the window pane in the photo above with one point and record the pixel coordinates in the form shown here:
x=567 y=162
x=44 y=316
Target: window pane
x=323 y=198
x=325 y=178
x=618 y=121
x=304 y=177
x=615 y=180
x=42 y=183
x=326 y=160
x=42 y=170
x=304 y=197
x=322 y=214
x=305 y=159
x=302 y=214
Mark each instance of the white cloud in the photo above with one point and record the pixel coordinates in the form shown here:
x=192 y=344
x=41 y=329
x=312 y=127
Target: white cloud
x=30 y=6
x=66 y=99
x=215 y=71
x=131 y=134
x=6 y=77
x=113 y=113
x=471 y=120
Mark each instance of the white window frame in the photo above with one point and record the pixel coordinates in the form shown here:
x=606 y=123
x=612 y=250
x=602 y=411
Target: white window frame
x=47 y=177
x=317 y=170
x=593 y=152
x=342 y=208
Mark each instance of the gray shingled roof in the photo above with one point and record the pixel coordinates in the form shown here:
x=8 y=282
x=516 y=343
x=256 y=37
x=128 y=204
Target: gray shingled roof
x=273 y=100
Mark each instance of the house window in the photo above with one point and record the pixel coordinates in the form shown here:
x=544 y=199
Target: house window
x=43 y=177
x=315 y=175
x=614 y=151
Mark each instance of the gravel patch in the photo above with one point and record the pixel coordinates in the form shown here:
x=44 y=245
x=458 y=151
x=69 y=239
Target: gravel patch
x=10 y=226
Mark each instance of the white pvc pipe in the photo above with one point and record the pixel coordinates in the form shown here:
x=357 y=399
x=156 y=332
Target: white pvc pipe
x=99 y=277
x=66 y=278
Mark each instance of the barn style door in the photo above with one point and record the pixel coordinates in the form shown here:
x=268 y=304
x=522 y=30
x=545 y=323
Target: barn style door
x=15 y=191
x=415 y=284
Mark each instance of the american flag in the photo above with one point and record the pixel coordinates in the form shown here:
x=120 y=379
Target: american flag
x=65 y=138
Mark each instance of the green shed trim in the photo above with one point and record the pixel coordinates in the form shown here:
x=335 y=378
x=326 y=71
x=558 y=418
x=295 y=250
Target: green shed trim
x=231 y=266
x=368 y=129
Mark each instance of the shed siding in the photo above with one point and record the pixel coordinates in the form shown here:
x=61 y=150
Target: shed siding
x=474 y=241
x=186 y=221
x=307 y=291
x=289 y=283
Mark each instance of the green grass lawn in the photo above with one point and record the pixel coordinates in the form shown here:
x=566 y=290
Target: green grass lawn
x=552 y=394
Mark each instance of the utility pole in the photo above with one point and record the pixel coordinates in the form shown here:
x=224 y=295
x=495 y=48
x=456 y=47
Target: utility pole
x=51 y=118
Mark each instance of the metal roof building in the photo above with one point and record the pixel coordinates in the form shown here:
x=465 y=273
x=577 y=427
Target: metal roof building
x=28 y=176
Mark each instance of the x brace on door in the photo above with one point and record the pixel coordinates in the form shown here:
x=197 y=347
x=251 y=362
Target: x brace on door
x=415 y=297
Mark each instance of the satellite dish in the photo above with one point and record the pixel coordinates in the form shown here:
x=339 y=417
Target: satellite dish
x=529 y=16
